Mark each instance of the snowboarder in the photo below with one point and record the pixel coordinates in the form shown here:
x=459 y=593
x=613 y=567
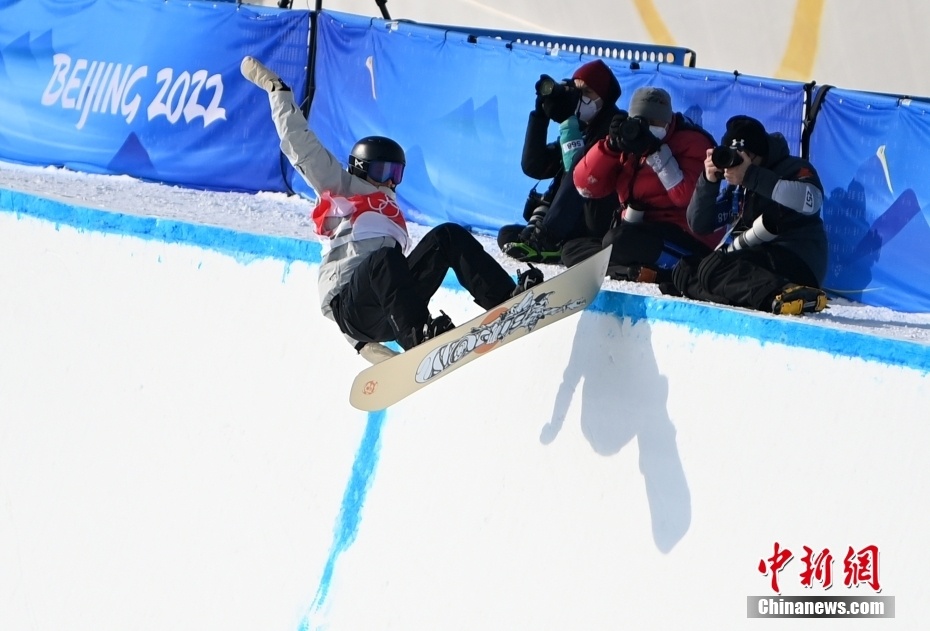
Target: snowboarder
x=367 y=285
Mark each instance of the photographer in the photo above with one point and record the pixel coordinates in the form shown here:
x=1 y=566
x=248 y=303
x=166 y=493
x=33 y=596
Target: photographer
x=650 y=160
x=583 y=107
x=777 y=258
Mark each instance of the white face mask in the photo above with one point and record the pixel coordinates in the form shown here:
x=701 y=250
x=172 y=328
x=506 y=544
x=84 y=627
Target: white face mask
x=587 y=109
x=658 y=132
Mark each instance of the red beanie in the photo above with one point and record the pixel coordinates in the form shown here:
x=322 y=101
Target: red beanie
x=599 y=78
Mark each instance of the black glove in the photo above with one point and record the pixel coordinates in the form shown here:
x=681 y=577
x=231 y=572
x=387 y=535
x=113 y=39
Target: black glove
x=683 y=276
x=613 y=132
x=558 y=101
x=539 y=105
x=708 y=267
x=529 y=234
x=543 y=89
x=636 y=138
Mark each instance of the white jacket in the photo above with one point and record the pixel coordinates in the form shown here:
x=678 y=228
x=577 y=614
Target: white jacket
x=355 y=217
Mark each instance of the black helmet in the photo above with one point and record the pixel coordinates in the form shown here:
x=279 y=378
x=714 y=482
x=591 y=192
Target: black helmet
x=377 y=149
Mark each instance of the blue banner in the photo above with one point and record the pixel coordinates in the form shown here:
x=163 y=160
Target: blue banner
x=710 y=98
x=869 y=150
x=152 y=89
x=146 y=87
x=459 y=105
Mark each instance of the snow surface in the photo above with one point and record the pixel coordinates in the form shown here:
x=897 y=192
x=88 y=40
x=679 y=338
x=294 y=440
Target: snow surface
x=278 y=214
x=177 y=451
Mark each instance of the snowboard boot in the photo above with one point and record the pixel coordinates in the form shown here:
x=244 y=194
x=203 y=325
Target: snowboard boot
x=253 y=70
x=433 y=327
x=798 y=299
x=633 y=273
x=526 y=280
x=437 y=326
x=526 y=253
x=418 y=334
x=533 y=246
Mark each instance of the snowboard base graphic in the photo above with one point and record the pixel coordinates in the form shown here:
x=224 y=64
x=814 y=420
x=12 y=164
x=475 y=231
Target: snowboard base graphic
x=570 y=292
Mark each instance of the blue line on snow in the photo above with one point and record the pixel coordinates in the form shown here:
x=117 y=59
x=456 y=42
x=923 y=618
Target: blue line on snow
x=350 y=514
x=794 y=332
x=699 y=317
x=242 y=246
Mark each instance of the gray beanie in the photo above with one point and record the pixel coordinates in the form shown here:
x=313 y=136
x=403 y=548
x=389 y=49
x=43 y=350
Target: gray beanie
x=652 y=104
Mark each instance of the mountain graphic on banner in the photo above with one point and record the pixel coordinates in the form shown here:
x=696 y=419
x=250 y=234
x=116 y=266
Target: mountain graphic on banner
x=20 y=67
x=469 y=128
x=488 y=121
x=42 y=48
x=478 y=124
x=460 y=123
x=134 y=159
x=26 y=61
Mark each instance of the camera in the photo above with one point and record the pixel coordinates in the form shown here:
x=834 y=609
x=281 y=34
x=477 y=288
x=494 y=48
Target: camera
x=534 y=200
x=547 y=86
x=633 y=129
x=726 y=157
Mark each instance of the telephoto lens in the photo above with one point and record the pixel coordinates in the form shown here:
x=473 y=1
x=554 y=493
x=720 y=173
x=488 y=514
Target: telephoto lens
x=546 y=86
x=726 y=157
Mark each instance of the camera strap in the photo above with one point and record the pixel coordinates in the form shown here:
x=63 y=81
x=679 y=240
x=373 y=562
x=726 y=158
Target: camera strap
x=737 y=203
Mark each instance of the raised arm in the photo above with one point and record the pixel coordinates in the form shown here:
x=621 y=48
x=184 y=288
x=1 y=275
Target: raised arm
x=315 y=163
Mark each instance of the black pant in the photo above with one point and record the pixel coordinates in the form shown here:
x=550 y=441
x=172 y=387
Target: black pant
x=388 y=295
x=565 y=218
x=745 y=278
x=570 y=216
x=651 y=244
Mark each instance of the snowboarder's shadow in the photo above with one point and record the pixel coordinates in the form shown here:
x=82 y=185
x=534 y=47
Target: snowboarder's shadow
x=623 y=397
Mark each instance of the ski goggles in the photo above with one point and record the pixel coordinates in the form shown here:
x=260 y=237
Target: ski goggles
x=380 y=171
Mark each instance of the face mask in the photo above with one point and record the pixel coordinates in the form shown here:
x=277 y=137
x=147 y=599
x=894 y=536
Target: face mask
x=658 y=132
x=587 y=109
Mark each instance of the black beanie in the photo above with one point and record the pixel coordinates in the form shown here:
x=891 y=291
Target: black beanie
x=748 y=134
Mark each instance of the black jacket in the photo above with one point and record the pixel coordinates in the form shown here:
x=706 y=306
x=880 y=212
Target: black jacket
x=542 y=160
x=803 y=234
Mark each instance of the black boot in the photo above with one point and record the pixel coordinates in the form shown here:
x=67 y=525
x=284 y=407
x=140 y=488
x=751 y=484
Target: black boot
x=526 y=280
x=418 y=334
x=437 y=326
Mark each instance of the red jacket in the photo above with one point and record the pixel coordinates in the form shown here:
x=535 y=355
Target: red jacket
x=638 y=185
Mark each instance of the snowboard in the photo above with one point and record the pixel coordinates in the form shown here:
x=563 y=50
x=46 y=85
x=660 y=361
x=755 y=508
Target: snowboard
x=384 y=384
